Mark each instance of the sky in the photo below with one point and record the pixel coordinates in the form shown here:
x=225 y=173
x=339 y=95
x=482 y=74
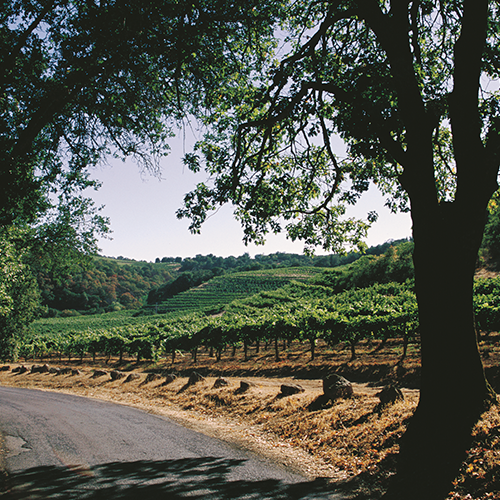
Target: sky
x=141 y=209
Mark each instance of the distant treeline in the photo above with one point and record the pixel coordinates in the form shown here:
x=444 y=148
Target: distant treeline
x=271 y=261
x=102 y=285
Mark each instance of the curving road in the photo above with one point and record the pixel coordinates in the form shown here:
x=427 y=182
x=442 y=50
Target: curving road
x=69 y=447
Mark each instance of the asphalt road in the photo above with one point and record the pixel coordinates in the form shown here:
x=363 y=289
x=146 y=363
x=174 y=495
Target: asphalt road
x=69 y=447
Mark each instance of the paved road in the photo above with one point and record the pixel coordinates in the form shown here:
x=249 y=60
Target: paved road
x=69 y=447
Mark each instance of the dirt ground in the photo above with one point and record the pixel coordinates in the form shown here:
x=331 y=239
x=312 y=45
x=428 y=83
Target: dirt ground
x=352 y=441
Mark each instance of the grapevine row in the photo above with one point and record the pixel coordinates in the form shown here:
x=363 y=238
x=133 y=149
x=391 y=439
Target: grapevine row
x=296 y=312
x=348 y=317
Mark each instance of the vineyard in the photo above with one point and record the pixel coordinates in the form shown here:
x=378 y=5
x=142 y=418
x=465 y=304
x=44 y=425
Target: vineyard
x=222 y=290
x=283 y=309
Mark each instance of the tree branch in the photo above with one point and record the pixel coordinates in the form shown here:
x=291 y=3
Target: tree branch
x=384 y=133
x=463 y=102
x=281 y=77
x=414 y=28
x=392 y=32
x=10 y=60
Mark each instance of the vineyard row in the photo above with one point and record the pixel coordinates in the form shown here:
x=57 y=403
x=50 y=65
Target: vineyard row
x=299 y=313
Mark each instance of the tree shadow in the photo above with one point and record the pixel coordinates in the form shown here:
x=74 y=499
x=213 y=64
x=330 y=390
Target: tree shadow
x=322 y=402
x=196 y=478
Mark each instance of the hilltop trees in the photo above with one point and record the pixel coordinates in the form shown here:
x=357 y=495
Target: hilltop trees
x=409 y=86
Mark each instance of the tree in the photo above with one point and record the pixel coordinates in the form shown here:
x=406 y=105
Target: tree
x=81 y=80
x=409 y=86
x=84 y=80
x=19 y=295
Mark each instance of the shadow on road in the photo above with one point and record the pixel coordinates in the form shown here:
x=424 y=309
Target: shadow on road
x=197 y=478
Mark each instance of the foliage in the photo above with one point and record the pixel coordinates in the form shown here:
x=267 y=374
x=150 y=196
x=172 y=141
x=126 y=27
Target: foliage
x=184 y=282
x=373 y=73
x=82 y=80
x=63 y=325
x=260 y=261
x=19 y=296
x=487 y=304
x=100 y=285
x=395 y=265
x=491 y=238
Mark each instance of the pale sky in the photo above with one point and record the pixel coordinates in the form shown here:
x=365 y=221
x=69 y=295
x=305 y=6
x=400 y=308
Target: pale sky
x=142 y=213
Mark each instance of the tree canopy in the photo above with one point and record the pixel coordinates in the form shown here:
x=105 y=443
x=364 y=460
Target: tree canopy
x=411 y=87
x=80 y=81
x=19 y=294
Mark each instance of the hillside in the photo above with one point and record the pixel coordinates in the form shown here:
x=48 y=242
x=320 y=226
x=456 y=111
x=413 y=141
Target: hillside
x=103 y=284
x=302 y=324
x=265 y=301
x=222 y=290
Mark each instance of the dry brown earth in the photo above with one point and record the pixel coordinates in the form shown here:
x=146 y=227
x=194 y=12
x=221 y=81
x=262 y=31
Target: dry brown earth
x=351 y=440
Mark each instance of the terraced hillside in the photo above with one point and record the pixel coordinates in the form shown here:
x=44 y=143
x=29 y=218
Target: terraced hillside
x=224 y=289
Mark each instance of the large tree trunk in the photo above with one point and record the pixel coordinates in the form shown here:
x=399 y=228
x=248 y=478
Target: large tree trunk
x=454 y=390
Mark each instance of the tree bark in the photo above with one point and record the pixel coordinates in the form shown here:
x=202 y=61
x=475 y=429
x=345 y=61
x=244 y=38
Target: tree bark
x=454 y=390
x=405 y=345
x=352 y=346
